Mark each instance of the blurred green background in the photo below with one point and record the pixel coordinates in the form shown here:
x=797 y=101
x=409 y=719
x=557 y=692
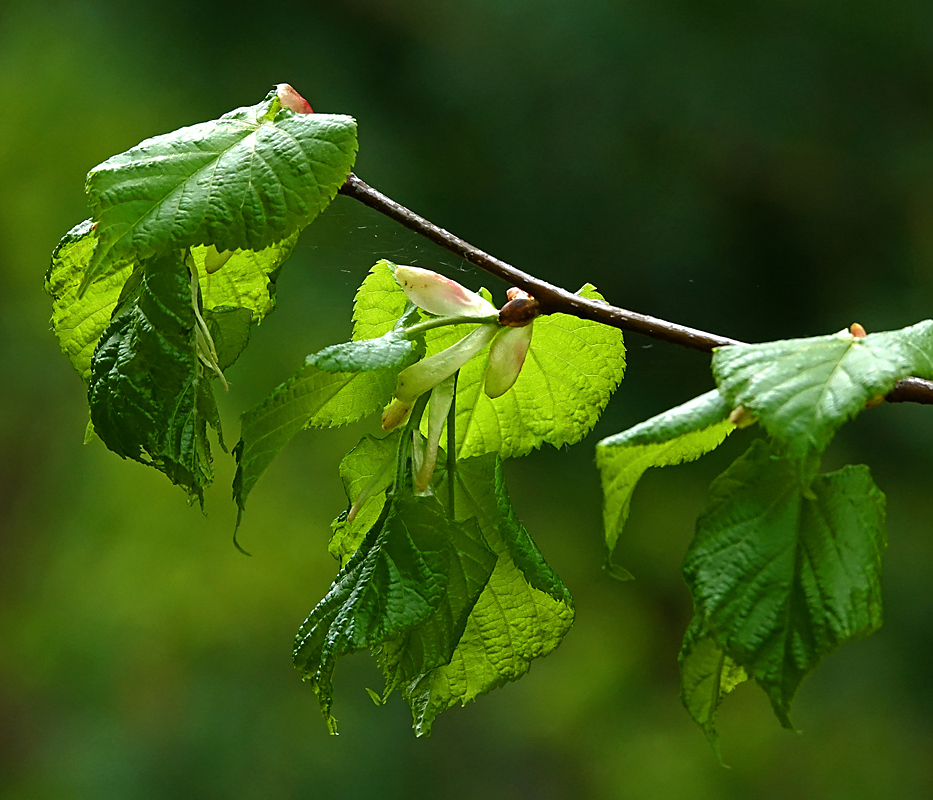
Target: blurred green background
x=761 y=170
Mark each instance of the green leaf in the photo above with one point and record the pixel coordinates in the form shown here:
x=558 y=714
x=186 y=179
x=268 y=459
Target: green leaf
x=313 y=398
x=390 y=350
x=368 y=468
x=572 y=367
x=393 y=582
x=247 y=281
x=513 y=622
x=147 y=393
x=431 y=643
x=77 y=321
x=707 y=675
x=803 y=390
x=681 y=434
x=781 y=573
x=229 y=328
x=244 y=181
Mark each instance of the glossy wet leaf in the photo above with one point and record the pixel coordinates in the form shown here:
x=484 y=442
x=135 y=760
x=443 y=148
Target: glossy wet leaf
x=244 y=181
x=149 y=398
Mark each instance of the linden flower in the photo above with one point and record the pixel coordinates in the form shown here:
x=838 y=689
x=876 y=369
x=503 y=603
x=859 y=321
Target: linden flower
x=446 y=298
x=419 y=378
x=441 y=296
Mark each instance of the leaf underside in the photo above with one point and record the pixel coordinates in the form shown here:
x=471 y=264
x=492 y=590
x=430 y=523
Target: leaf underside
x=679 y=435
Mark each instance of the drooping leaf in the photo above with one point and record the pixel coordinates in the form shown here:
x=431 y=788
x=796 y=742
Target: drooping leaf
x=390 y=350
x=681 y=434
x=803 y=390
x=571 y=368
x=707 y=675
x=513 y=622
x=394 y=581
x=313 y=398
x=782 y=573
x=432 y=642
x=244 y=181
x=247 y=281
x=146 y=390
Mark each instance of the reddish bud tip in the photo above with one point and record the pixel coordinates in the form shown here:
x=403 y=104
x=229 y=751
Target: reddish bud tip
x=514 y=293
x=858 y=331
x=289 y=98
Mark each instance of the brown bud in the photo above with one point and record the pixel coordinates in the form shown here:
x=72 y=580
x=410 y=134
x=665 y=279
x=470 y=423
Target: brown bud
x=519 y=312
x=857 y=330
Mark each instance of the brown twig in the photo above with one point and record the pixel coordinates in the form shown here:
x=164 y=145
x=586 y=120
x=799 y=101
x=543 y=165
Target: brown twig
x=554 y=299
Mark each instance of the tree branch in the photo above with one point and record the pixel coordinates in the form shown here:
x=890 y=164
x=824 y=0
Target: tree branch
x=554 y=299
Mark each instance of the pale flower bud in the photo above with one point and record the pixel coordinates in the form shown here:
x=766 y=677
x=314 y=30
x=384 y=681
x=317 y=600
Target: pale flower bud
x=395 y=414
x=289 y=98
x=441 y=296
x=423 y=376
x=441 y=399
x=506 y=357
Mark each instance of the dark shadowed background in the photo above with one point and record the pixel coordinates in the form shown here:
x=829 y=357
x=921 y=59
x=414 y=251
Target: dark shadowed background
x=759 y=170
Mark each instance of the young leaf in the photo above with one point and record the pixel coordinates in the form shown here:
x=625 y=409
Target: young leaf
x=522 y=614
x=707 y=675
x=394 y=581
x=782 y=574
x=571 y=369
x=389 y=350
x=146 y=391
x=681 y=434
x=313 y=398
x=246 y=281
x=367 y=472
x=803 y=390
x=244 y=181
x=77 y=321
x=229 y=328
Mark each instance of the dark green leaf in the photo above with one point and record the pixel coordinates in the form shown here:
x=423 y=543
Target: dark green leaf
x=681 y=434
x=782 y=574
x=393 y=582
x=803 y=390
x=147 y=390
x=244 y=181
x=431 y=643
x=513 y=622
